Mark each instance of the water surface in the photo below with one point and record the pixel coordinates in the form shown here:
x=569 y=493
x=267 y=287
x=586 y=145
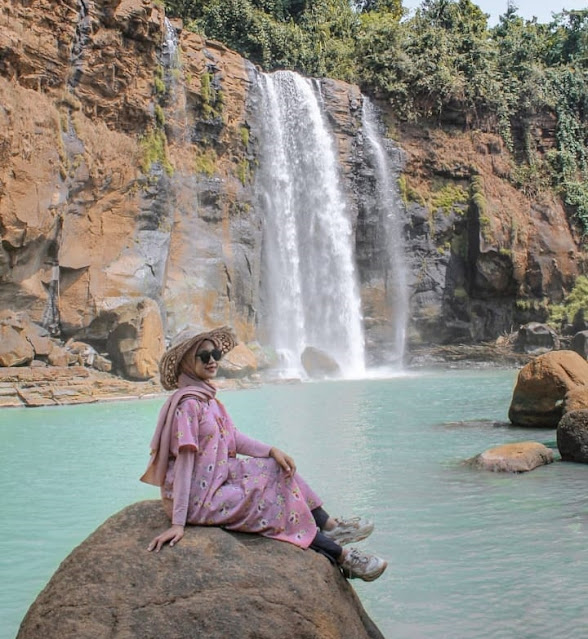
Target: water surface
x=472 y=554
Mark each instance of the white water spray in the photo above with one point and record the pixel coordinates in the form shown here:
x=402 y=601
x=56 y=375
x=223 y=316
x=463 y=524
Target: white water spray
x=309 y=282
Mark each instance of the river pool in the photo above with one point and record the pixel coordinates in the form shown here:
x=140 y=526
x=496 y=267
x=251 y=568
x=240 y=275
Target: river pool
x=473 y=555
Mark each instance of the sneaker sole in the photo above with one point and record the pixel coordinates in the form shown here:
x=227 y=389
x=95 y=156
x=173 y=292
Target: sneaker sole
x=376 y=575
x=371 y=577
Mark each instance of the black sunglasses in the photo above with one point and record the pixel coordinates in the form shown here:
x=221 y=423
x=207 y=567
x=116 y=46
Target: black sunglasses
x=206 y=355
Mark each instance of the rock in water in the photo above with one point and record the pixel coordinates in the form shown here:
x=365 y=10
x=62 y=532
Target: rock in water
x=213 y=584
x=572 y=436
x=318 y=363
x=518 y=457
x=542 y=386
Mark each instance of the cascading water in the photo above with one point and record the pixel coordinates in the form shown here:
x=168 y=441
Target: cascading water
x=309 y=281
x=387 y=202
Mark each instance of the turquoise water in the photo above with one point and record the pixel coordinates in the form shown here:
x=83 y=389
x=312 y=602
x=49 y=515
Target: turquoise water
x=472 y=555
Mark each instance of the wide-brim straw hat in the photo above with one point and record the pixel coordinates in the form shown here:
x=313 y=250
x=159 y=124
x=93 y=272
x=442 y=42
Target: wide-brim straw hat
x=223 y=338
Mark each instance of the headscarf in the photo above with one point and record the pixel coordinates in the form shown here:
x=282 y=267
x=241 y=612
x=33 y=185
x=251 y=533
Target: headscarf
x=161 y=441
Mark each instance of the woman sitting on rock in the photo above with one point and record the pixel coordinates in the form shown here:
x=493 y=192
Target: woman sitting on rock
x=203 y=482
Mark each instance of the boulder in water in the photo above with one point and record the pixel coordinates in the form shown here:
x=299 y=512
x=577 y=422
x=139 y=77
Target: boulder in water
x=518 y=457
x=572 y=436
x=317 y=363
x=213 y=584
x=542 y=385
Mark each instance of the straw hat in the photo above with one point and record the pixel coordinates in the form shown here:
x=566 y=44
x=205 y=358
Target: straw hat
x=223 y=338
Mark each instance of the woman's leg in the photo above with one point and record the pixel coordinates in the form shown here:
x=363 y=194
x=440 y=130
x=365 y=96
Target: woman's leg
x=327 y=547
x=320 y=516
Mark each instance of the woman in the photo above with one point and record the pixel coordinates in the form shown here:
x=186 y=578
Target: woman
x=203 y=482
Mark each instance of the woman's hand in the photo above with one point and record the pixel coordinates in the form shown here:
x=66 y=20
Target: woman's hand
x=284 y=460
x=173 y=534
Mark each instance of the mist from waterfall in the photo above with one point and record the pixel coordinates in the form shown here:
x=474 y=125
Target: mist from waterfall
x=309 y=282
x=387 y=201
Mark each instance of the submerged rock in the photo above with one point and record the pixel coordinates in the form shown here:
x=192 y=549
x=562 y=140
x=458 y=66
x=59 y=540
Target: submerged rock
x=519 y=457
x=213 y=584
x=542 y=386
x=572 y=436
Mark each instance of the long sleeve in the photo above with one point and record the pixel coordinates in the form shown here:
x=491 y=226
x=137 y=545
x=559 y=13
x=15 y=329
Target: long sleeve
x=184 y=465
x=248 y=446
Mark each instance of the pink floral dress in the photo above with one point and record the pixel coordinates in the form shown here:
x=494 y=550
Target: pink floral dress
x=209 y=485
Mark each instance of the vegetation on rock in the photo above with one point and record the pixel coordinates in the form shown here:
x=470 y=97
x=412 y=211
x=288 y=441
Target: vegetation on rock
x=443 y=62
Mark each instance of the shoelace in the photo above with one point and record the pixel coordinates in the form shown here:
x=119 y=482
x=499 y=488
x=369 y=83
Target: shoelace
x=357 y=558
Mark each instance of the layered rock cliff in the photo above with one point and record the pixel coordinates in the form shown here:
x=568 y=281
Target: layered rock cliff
x=128 y=155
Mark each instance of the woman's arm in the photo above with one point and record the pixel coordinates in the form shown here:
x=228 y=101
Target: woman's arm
x=183 y=468
x=249 y=446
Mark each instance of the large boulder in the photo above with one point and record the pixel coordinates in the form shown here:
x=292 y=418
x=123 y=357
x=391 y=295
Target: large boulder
x=239 y=362
x=580 y=344
x=572 y=436
x=136 y=342
x=576 y=399
x=213 y=584
x=15 y=349
x=317 y=363
x=542 y=385
x=536 y=338
x=518 y=457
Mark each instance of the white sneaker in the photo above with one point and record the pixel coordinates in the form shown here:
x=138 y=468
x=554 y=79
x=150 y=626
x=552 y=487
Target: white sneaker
x=362 y=565
x=349 y=531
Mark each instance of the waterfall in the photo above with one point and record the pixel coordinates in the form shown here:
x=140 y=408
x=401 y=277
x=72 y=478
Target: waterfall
x=387 y=202
x=309 y=283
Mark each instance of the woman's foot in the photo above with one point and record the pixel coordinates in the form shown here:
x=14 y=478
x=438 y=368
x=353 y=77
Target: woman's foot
x=356 y=564
x=348 y=531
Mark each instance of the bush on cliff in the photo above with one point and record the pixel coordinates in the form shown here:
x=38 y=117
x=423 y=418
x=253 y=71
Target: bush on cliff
x=442 y=62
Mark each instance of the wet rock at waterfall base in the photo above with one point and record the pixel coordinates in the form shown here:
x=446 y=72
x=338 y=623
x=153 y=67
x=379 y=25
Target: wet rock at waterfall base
x=542 y=385
x=519 y=457
x=572 y=436
x=317 y=363
x=213 y=584
x=536 y=338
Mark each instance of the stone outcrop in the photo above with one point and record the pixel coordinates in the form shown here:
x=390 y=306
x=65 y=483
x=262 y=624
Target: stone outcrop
x=519 y=457
x=213 y=584
x=57 y=385
x=572 y=436
x=542 y=385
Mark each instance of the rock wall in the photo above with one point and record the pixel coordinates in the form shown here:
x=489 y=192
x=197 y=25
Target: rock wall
x=119 y=174
x=127 y=172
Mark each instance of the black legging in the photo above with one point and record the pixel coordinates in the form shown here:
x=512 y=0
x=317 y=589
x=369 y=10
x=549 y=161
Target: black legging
x=323 y=544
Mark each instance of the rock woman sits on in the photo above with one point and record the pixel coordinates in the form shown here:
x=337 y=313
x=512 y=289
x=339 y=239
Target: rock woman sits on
x=203 y=482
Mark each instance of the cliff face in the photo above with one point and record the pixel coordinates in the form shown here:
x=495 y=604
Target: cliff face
x=127 y=171
x=117 y=169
